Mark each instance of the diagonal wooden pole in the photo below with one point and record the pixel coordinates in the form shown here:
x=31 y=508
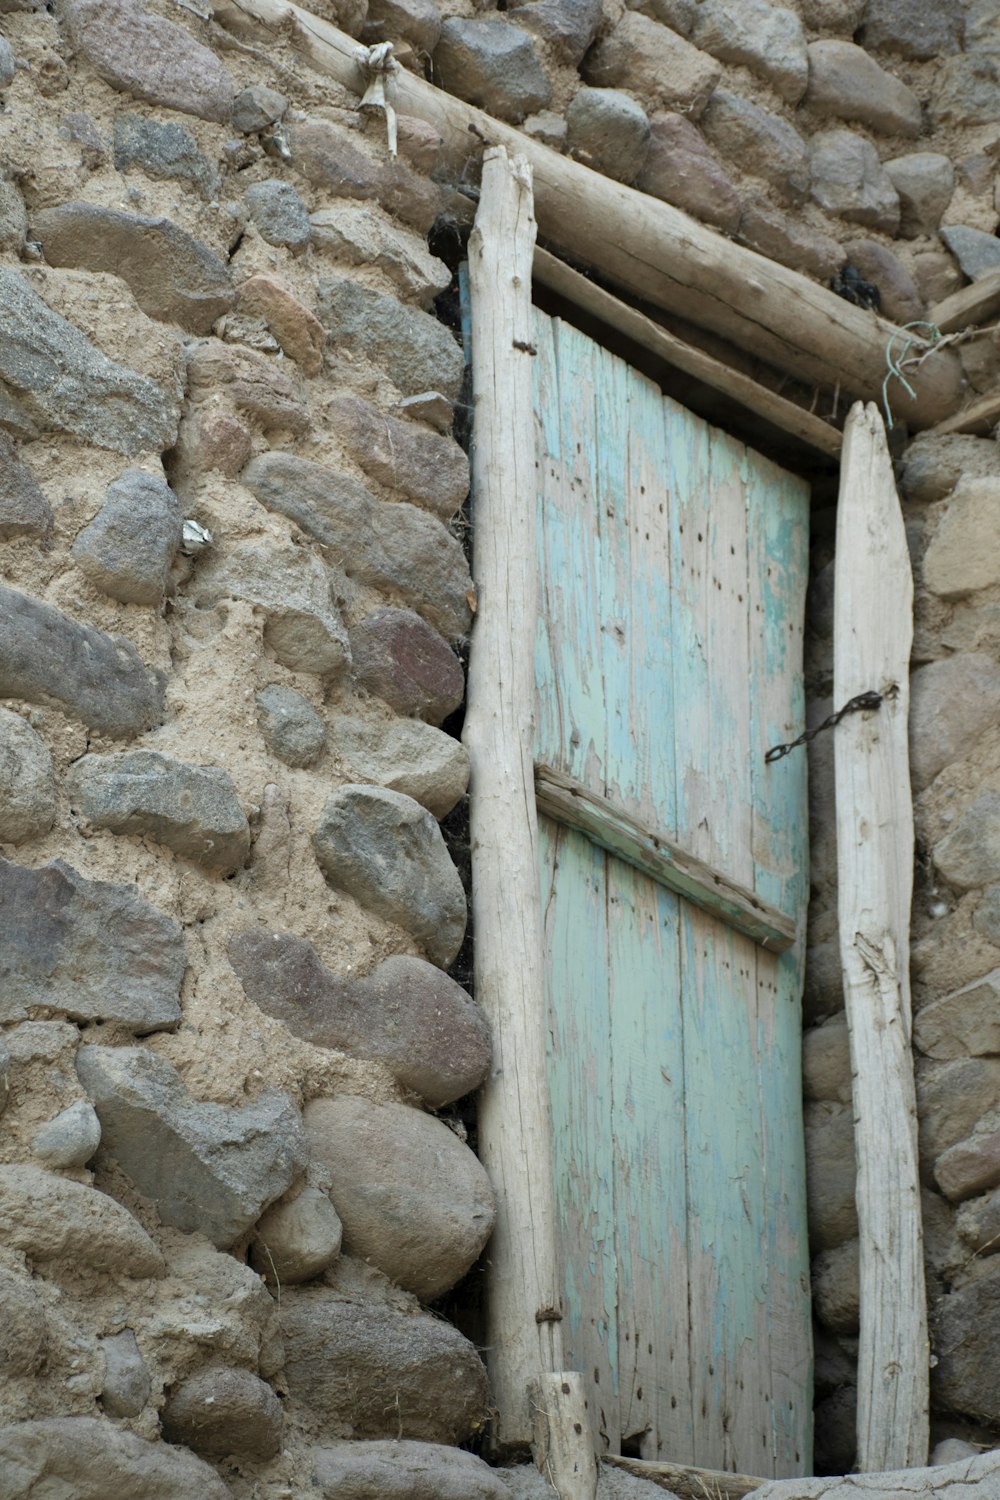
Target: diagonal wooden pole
x=873 y=632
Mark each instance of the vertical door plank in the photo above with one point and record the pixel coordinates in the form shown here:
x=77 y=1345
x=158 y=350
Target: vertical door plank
x=647 y=1040
x=778 y=540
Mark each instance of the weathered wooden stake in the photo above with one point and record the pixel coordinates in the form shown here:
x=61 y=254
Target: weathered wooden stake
x=563 y=1444
x=524 y=1337
x=873 y=632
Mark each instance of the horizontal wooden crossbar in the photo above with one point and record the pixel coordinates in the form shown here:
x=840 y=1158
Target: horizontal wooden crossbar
x=567 y=801
x=686 y=1482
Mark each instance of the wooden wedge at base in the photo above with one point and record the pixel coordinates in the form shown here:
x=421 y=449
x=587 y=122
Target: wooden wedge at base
x=563 y=1446
x=688 y=1482
x=873 y=632
x=652 y=249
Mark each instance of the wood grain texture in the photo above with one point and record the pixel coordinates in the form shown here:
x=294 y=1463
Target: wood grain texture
x=873 y=631
x=649 y=247
x=674 y=1053
x=979 y=416
x=514 y=1120
x=689 y=1483
x=969 y=306
x=568 y=801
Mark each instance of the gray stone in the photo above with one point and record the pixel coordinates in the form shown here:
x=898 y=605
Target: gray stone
x=68 y=1140
x=220 y=1411
x=297 y=1239
x=831 y=1175
x=567 y=26
x=54 y=378
x=13 y=217
x=977 y=1478
x=291 y=727
x=5 y=1061
x=655 y=63
x=952 y=1098
x=967 y=1326
x=137 y=51
x=339 y=1348
x=27 y=781
x=406 y=1013
x=192 y=810
x=387 y=852
x=81 y=130
x=925 y=181
x=292 y=588
x=951 y=1450
x=208 y=1169
x=91 y=1459
x=416 y=465
x=961 y=557
x=607 y=130
x=67 y=1227
x=923 y=29
x=416 y=21
x=279 y=213
x=901 y=301
x=23 y=1331
x=492 y=64
x=403 y=661
x=836 y=1287
x=982 y=26
x=87 y=949
x=395 y=548
x=256 y=108
x=967 y=91
x=173 y=277
x=977 y=253
x=762 y=143
x=45 y=657
x=128 y=548
x=163 y=150
x=404 y=1471
x=986 y=917
x=935 y=273
x=414 y=349
x=978 y=1223
x=677 y=14
x=768 y=39
x=8 y=67
x=255 y=385
x=850 y=181
x=826 y=1062
x=414 y=1200
x=361 y=236
x=849 y=85
x=787 y=240
x=952 y=702
x=24 y=510
x=406 y=756
x=680 y=169
x=331 y=157
x=933 y=465
x=127 y=1385
x=970 y=1166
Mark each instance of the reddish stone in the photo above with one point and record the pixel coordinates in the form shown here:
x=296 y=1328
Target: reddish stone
x=401 y=659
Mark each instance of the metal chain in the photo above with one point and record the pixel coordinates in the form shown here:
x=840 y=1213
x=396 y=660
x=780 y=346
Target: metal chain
x=856 y=705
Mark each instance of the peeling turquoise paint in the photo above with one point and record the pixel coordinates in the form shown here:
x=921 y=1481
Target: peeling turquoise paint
x=672 y=565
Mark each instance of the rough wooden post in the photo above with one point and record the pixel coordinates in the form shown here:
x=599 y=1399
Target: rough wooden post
x=524 y=1339
x=873 y=631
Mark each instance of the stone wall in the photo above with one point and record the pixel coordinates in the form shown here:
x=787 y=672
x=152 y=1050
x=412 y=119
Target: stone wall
x=234 y=595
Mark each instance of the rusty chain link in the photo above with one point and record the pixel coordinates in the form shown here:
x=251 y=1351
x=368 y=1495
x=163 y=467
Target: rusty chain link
x=855 y=705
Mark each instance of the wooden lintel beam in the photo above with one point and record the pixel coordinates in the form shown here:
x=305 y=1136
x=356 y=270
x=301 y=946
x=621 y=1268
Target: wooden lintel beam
x=687 y=1482
x=576 y=288
x=649 y=247
x=968 y=307
x=979 y=416
x=569 y=802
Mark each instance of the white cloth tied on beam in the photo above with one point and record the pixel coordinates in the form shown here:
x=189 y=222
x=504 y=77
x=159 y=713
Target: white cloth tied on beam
x=378 y=67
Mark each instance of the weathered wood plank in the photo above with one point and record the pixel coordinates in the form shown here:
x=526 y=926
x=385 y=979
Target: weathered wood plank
x=575 y=287
x=778 y=553
x=568 y=801
x=969 y=306
x=649 y=247
x=562 y=1445
x=514 y=1123
x=979 y=416
x=687 y=1482
x=873 y=630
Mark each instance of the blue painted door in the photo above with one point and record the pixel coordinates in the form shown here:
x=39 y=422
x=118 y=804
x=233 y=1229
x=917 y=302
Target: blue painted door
x=673 y=567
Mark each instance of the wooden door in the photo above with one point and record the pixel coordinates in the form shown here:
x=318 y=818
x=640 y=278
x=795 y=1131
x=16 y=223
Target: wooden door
x=672 y=564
